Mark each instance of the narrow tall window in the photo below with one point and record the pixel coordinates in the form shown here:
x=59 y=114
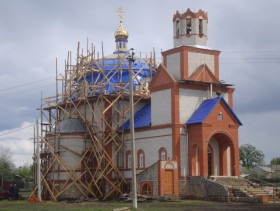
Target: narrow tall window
x=189 y=25
x=177 y=28
x=200 y=26
x=128 y=160
x=141 y=159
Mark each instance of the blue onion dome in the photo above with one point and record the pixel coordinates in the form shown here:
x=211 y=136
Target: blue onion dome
x=110 y=75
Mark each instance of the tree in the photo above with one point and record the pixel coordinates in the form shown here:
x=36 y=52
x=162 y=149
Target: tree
x=275 y=161
x=25 y=172
x=6 y=164
x=250 y=156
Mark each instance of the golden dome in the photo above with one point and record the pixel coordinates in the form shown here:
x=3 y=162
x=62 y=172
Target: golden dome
x=121 y=32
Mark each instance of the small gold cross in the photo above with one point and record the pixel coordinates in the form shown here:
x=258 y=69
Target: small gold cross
x=120 y=11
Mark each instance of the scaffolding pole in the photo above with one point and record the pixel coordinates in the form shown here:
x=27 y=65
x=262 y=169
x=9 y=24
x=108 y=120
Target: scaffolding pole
x=38 y=163
x=97 y=172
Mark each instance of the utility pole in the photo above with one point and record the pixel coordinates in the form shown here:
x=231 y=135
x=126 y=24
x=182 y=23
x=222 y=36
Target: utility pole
x=134 y=191
x=38 y=163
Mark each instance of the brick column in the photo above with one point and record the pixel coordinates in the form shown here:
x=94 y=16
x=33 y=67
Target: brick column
x=203 y=159
x=223 y=159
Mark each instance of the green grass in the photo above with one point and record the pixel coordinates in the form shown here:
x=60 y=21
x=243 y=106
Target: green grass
x=96 y=206
x=106 y=206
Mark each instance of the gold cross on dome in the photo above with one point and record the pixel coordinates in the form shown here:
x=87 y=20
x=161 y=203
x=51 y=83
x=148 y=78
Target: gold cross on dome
x=120 y=11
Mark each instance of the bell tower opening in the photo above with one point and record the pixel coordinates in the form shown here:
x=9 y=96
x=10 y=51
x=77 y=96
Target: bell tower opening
x=200 y=26
x=190 y=28
x=177 y=28
x=189 y=25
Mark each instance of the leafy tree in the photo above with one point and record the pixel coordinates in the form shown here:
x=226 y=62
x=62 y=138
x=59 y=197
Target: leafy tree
x=6 y=164
x=275 y=161
x=250 y=156
x=25 y=172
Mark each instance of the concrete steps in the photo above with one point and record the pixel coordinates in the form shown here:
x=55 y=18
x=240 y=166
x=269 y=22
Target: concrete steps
x=243 y=189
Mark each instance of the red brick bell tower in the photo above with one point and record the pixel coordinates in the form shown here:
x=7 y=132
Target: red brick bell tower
x=204 y=125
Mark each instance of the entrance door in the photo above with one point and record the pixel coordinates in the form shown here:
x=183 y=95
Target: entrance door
x=168 y=182
x=209 y=162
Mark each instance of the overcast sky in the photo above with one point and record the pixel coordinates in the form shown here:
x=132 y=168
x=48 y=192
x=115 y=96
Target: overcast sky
x=34 y=33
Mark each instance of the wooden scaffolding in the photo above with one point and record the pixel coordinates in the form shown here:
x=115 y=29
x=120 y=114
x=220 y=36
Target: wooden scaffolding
x=89 y=92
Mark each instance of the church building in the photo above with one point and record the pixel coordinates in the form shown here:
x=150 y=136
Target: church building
x=184 y=122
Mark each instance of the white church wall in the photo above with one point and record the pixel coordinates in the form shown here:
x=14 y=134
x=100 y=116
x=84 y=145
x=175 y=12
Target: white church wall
x=225 y=96
x=197 y=59
x=150 y=142
x=173 y=65
x=161 y=107
x=122 y=106
x=215 y=146
x=98 y=121
x=190 y=100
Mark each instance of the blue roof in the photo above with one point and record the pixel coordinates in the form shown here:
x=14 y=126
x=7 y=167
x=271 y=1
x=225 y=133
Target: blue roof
x=141 y=119
x=205 y=109
x=113 y=72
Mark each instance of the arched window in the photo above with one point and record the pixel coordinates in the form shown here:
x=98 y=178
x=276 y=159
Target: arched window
x=141 y=159
x=128 y=160
x=147 y=190
x=162 y=153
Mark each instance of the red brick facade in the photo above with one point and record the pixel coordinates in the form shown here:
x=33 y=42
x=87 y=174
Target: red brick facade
x=225 y=131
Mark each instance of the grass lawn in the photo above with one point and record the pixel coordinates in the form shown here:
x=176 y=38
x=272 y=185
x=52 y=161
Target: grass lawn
x=183 y=205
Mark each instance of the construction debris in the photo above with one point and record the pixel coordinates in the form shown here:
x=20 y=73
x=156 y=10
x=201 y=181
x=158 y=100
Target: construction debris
x=128 y=198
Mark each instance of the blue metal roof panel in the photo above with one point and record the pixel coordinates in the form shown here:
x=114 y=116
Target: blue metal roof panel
x=141 y=119
x=204 y=110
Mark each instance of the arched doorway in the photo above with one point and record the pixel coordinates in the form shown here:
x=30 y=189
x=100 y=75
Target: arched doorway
x=221 y=155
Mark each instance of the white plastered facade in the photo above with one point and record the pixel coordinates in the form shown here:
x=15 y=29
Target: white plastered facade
x=173 y=65
x=161 y=107
x=197 y=59
x=150 y=142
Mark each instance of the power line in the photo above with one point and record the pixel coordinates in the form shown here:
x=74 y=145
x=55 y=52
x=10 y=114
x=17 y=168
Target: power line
x=250 y=51
x=26 y=84
x=13 y=131
x=26 y=90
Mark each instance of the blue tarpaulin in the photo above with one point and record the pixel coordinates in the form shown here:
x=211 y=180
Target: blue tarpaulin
x=110 y=74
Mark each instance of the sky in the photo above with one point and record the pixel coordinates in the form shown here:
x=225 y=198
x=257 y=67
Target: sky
x=33 y=33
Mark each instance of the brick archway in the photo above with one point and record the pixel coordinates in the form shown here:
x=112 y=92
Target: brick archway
x=225 y=153
x=228 y=159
